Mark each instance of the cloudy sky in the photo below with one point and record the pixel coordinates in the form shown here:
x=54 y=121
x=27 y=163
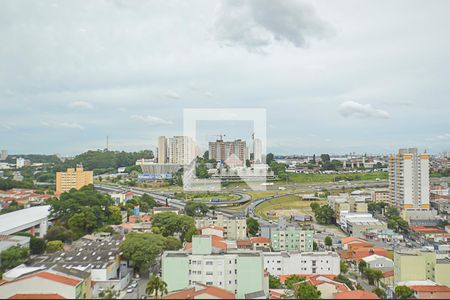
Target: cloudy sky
x=334 y=76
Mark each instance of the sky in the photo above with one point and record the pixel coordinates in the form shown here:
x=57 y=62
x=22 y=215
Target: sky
x=333 y=76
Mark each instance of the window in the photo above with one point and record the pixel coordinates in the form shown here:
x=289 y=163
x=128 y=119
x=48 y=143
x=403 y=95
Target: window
x=209 y=273
x=209 y=283
x=209 y=263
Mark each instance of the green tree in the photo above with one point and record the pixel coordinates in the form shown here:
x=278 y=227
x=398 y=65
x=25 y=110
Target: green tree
x=58 y=232
x=37 y=245
x=109 y=293
x=314 y=206
x=328 y=241
x=83 y=222
x=362 y=266
x=403 y=292
x=172 y=243
x=252 y=226
x=269 y=158
x=54 y=246
x=115 y=217
x=324 y=215
x=377 y=275
x=12 y=257
x=344 y=267
x=142 y=249
x=315 y=246
x=195 y=209
x=274 y=282
x=345 y=280
x=170 y=223
x=306 y=291
x=292 y=280
x=156 y=287
x=379 y=292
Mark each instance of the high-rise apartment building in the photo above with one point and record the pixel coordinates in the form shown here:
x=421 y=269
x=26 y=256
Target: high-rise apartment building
x=409 y=179
x=182 y=150
x=73 y=178
x=4 y=155
x=162 y=150
x=232 y=153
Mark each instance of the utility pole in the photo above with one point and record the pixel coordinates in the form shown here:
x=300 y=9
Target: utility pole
x=107 y=143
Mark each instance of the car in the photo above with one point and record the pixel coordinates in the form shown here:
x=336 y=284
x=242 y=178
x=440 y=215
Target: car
x=143 y=297
x=130 y=290
x=133 y=285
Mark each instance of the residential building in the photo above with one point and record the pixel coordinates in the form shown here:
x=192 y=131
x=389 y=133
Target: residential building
x=73 y=178
x=301 y=263
x=41 y=283
x=162 y=150
x=17 y=176
x=233 y=228
x=380 y=195
x=378 y=262
x=181 y=150
x=420 y=265
x=201 y=291
x=240 y=272
x=232 y=153
x=409 y=179
x=286 y=236
x=22 y=162
x=431 y=291
x=121 y=197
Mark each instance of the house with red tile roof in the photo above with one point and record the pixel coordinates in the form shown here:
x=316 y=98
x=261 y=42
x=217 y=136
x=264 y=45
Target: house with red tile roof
x=49 y=284
x=358 y=294
x=201 y=291
x=327 y=286
x=431 y=291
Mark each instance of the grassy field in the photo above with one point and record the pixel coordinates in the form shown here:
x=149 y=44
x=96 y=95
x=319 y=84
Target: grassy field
x=307 y=178
x=290 y=202
x=262 y=194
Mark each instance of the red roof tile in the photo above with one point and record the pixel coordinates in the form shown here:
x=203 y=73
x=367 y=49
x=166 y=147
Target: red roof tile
x=356 y=295
x=425 y=229
x=430 y=288
x=260 y=239
x=351 y=239
x=360 y=253
x=191 y=293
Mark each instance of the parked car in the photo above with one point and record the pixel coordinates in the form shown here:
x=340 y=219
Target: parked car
x=130 y=290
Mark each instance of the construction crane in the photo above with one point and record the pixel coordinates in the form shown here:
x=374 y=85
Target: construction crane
x=220 y=136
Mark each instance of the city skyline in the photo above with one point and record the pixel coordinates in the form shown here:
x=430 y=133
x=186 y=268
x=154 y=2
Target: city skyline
x=333 y=78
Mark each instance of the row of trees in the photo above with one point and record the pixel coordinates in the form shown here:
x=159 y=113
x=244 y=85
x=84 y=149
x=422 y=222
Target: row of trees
x=323 y=214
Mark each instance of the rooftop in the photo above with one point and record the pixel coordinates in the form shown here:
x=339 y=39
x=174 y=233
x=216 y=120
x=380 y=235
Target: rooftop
x=356 y=295
x=15 y=219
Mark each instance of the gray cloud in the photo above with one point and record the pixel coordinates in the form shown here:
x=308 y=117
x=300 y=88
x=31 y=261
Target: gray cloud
x=57 y=125
x=81 y=105
x=354 y=109
x=151 y=120
x=255 y=24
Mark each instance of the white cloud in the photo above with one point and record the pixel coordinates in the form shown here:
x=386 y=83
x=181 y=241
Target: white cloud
x=68 y=125
x=5 y=127
x=172 y=94
x=151 y=120
x=256 y=24
x=354 y=109
x=81 y=105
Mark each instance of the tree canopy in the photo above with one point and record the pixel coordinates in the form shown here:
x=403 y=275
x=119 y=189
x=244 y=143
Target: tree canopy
x=12 y=257
x=169 y=224
x=306 y=291
x=252 y=226
x=195 y=209
x=403 y=292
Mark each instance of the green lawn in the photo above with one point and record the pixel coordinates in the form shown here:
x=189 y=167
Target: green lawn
x=206 y=197
x=293 y=202
x=306 y=178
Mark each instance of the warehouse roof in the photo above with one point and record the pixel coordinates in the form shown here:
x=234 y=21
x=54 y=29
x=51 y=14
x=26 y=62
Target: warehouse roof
x=22 y=217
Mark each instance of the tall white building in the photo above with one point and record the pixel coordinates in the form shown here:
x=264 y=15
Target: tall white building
x=162 y=150
x=409 y=179
x=182 y=150
x=257 y=151
x=4 y=155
